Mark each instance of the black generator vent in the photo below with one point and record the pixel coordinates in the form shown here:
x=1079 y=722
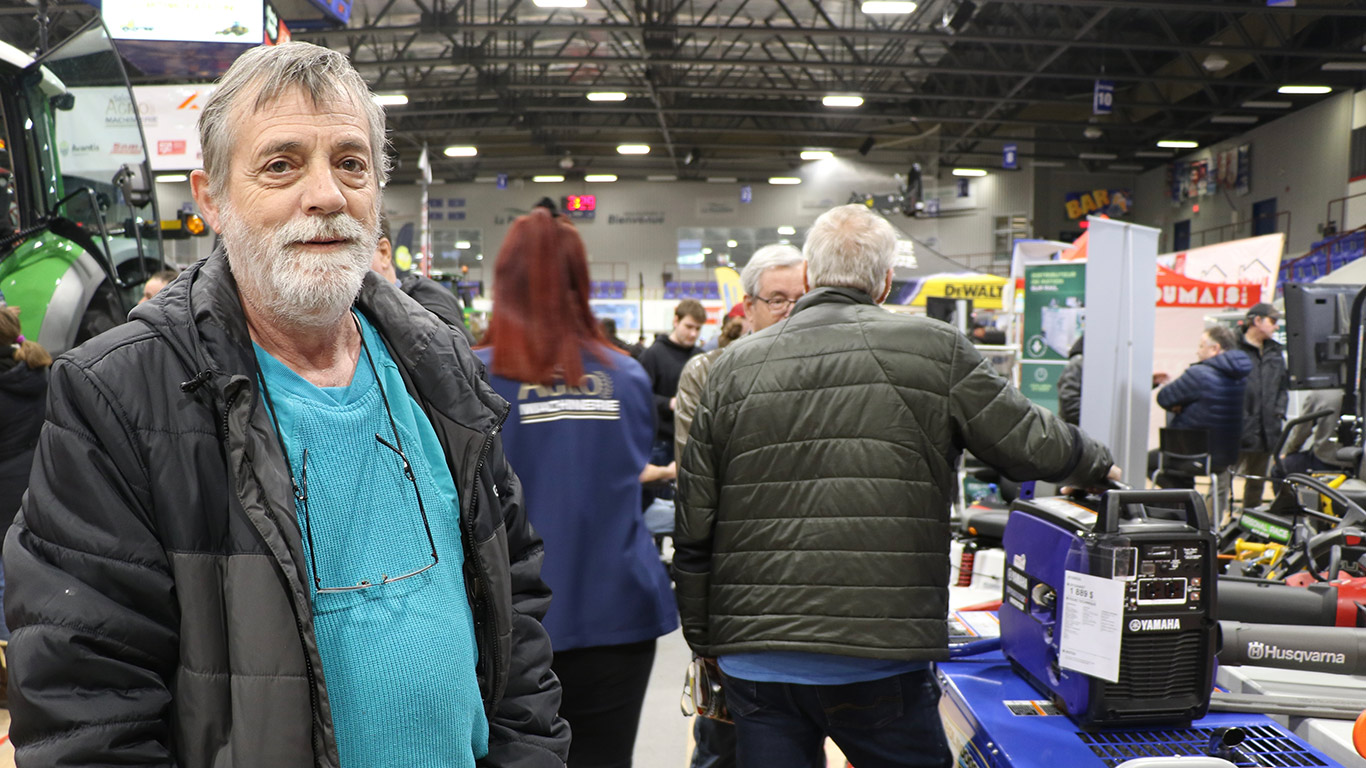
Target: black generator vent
x=1160 y=666
x=1265 y=745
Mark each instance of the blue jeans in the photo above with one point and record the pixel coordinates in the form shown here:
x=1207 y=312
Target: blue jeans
x=887 y=723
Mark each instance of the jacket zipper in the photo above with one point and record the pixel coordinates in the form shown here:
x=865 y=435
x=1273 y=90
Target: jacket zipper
x=299 y=627
x=491 y=642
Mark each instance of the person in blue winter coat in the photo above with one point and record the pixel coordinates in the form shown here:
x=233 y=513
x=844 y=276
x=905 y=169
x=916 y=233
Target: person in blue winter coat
x=579 y=435
x=1209 y=395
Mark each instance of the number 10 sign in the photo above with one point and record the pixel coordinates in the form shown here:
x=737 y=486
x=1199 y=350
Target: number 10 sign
x=1103 y=102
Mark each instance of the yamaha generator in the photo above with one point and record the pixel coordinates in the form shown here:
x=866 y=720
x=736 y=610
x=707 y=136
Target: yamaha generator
x=1158 y=544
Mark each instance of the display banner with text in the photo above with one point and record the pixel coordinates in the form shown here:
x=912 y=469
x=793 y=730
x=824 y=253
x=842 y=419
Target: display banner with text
x=1053 y=319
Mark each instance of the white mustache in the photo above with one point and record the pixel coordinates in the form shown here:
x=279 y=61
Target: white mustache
x=339 y=226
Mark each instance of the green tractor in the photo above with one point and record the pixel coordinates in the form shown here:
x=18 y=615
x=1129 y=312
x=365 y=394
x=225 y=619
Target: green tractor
x=79 y=227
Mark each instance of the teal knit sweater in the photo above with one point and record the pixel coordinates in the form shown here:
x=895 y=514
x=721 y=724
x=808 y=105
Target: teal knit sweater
x=398 y=659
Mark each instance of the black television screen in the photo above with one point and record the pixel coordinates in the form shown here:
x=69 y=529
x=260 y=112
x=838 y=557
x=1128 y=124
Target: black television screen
x=1316 y=333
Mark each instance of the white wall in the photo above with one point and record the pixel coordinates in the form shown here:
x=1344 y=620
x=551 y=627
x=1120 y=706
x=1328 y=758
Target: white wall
x=964 y=228
x=1300 y=159
x=1051 y=187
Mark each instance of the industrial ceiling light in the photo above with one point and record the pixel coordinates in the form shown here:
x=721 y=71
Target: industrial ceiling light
x=390 y=99
x=1126 y=167
x=1049 y=164
x=1092 y=132
x=1265 y=104
x=1215 y=62
x=1303 y=90
x=1234 y=119
x=732 y=244
x=886 y=6
x=600 y=177
x=842 y=100
x=1098 y=156
x=721 y=179
x=549 y=178
x=633 y=149
x=1343 y=66
x=969 y=172
x=662 y=177
x=1151 y=153
x=458 y=151
x=172 y=178
x=606 y=96
x=817 y=154
x=787 y=230
x=1174 y=144
x=783 y=180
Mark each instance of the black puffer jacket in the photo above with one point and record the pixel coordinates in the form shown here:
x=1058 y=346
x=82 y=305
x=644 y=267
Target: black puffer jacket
x=1069 y=384
x=1266 y=396
x=814 y=490
x=156 y=576
x=434 y=297
x=22 y=392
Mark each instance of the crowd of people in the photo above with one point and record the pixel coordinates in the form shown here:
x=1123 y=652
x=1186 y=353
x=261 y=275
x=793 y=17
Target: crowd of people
x=312 y=525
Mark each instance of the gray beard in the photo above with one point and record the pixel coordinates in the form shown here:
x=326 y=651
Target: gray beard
x=290 y=285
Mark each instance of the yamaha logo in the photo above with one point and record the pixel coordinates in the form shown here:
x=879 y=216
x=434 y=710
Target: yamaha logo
x=1153 y=625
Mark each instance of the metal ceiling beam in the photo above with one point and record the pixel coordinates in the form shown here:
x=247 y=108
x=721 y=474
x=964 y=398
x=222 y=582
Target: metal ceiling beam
x=726 y=63
x=453 y=116
x=1200 y=6
x=869 y=35
x=795 y=94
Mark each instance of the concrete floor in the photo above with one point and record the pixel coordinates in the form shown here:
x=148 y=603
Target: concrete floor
x=665 y=736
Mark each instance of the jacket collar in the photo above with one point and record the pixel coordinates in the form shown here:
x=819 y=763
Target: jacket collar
x=201 y=317
x=832 y=295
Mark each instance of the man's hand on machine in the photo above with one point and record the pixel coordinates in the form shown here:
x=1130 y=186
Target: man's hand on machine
x=1112 y=481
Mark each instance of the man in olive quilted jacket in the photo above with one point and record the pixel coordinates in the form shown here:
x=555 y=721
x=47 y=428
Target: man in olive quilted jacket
x=813 y=527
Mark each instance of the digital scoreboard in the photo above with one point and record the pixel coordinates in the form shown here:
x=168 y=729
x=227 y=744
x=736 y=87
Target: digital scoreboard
x=579 y=206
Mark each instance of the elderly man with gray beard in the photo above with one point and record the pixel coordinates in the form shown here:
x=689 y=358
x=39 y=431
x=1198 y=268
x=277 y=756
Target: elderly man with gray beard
x=270 y=522
x=812 y=537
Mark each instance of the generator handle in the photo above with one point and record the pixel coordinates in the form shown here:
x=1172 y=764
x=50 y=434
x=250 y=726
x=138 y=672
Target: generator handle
x=1190 y=501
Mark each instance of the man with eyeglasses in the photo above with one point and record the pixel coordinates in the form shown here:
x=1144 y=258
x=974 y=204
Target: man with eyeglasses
x=1264 y=400
x=270 y=521
x=772 y=281
x=812 y=539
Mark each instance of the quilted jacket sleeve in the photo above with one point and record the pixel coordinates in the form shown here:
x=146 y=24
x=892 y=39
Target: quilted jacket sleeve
x=1000 y=426
x=89 y=592
x=1069 y=390
x=1185 y=389
x=699 y=477
x=690 y=384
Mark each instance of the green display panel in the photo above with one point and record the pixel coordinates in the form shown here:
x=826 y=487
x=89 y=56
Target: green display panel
x=1039 y=382
x=1054 y=309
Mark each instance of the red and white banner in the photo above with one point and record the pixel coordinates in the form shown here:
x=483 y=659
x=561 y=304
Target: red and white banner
x=1234 y=274
x=1177 y=290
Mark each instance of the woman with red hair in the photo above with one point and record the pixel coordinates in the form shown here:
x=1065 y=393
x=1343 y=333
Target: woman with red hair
x=578 y=435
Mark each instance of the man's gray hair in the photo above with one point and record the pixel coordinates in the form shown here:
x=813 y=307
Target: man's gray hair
x=850 y=247
x=270 y=71
x=764 y=259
